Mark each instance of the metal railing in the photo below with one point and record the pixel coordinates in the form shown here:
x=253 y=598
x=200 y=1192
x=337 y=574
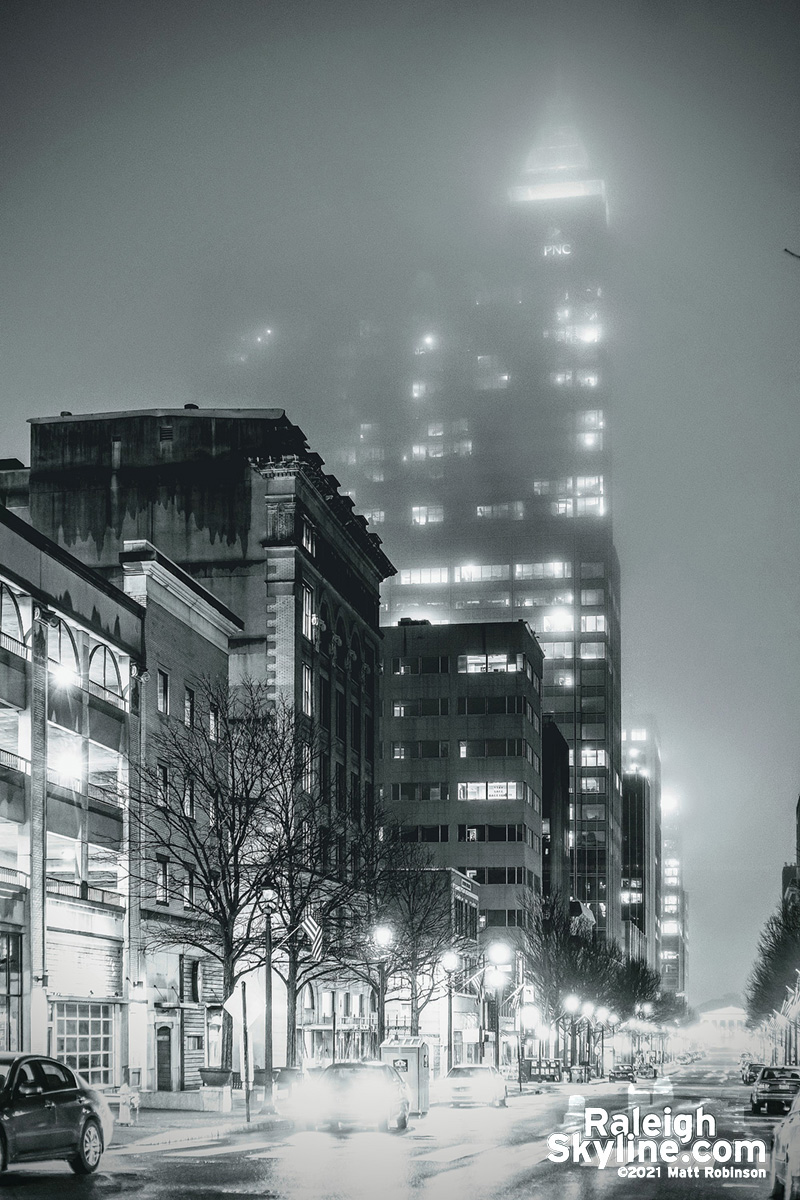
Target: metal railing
x=15 y=878
x=110 y=697
x=109 y=795
x=9 y=759
x=83 y=891
x=15 y=646
x=71 y=782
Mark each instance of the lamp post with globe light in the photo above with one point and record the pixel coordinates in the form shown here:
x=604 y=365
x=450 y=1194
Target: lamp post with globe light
x=571 y=1005
x=529 y=1018
x=496 y=977
x=383 y=937
x=450 y=963
x=587 y=1011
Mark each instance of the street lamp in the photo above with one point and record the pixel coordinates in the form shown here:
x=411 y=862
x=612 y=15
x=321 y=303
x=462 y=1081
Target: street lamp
x=269 y=899
x=383 y=937
x=601 y=1016
x=571 y=1006
x=499 y=954
x=529 y=1018
x=450 y=963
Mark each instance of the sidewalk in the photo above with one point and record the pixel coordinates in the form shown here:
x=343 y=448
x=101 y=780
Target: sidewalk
x=171 y=1127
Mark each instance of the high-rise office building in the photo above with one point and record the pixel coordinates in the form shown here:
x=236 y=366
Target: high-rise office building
x=675 y=914
x=479 y=449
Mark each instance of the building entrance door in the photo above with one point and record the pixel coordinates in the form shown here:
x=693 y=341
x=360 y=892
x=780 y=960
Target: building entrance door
x=164 y=1059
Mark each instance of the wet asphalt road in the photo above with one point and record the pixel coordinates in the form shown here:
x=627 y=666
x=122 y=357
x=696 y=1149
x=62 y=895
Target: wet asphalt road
x=452 y=1154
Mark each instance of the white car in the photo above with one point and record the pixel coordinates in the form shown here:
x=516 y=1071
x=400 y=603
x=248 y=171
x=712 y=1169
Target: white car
x=475 y=1084
x=784 y=1163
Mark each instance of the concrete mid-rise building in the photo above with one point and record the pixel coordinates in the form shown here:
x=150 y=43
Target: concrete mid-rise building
x=461 y=768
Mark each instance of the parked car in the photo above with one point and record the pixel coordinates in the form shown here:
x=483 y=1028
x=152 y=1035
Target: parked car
x=474 y=1083
x=48 y=1111
x=784 y=1161
x=622 y=1070
x=750 y=1070
x=775 y=1087
x=357 y=1095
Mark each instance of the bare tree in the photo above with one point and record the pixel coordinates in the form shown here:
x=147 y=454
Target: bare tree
x=563 y=957
x=776 y=963
x=405 y=892
x=201 y=817
x=229 y=830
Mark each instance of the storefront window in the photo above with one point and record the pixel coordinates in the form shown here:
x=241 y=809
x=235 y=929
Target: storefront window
x=84 y=1039
x=10 y=991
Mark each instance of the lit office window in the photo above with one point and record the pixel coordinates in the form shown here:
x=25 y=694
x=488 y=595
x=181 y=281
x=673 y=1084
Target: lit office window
x=427 y=514
x=543 y=570
x=424 y=575
x=473 y=573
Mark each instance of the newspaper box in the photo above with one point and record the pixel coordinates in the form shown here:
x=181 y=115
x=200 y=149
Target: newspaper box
x=411 y=1059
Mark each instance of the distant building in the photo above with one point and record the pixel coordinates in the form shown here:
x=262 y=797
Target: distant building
x=461 y=768
x=675 y=916
x=790 y=875
x=641 y=837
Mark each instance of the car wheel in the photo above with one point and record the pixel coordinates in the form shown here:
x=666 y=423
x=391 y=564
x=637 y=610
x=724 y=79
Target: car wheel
x=402 y=1121
x=755 y=1108
x=90 y=1150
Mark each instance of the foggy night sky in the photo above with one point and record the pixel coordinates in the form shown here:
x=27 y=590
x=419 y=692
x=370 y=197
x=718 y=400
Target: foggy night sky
x=175 y=173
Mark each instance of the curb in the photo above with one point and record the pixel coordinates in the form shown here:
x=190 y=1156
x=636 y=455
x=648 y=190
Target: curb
x=186 y=1135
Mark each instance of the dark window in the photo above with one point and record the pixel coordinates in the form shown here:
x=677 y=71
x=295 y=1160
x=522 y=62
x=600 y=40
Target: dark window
x=325 y=702
x=355 y=728
x=341 y=716
x=188 y=707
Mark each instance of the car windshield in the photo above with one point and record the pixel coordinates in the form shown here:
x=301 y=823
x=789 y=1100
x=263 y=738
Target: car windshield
x=470 y=1072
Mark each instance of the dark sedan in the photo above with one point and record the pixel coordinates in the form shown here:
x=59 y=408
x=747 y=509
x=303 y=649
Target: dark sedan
x=47 y=1111
x=775 y=1087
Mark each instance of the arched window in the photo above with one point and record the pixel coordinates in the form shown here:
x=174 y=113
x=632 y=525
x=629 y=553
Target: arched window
x=10 y=620
x=308 y=998
x=104 y=672
x=63 y=654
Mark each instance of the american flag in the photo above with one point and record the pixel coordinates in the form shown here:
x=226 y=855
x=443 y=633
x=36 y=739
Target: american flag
x=313 y=931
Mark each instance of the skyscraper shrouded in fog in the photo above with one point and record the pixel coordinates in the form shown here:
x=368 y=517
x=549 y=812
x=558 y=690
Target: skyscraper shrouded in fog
x=480 y=450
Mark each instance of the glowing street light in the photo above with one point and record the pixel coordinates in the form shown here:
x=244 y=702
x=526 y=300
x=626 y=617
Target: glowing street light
x=450 y=963
x=383 y=937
